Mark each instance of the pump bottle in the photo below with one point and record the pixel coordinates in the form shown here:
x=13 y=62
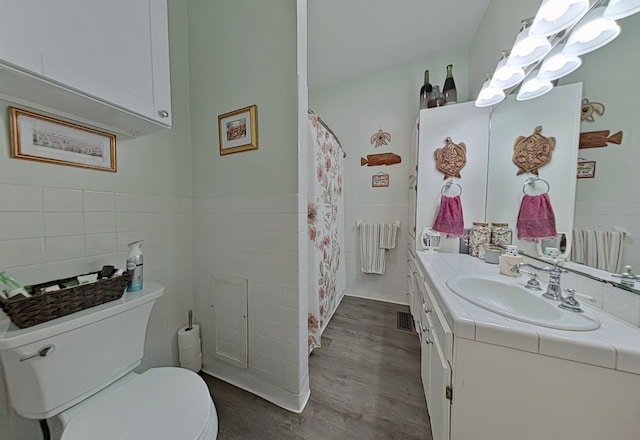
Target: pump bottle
x=134 y=264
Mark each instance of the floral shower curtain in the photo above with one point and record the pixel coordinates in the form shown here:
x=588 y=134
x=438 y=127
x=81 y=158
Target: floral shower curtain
x=325 y=221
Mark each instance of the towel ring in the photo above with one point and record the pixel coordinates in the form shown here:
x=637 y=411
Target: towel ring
x=448 y=185
x=531 y=181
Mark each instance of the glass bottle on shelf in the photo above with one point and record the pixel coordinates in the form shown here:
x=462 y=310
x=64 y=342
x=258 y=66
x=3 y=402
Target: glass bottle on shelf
x=449 y=88
x=425 y=91
x=436 y=99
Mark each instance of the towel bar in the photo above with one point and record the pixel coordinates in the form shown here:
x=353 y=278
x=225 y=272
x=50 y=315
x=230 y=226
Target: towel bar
x=359 y=222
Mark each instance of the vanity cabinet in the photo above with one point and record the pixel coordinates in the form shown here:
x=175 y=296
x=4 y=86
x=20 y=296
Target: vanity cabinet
x=103 y=63
x=436 y=354
x=486 y=378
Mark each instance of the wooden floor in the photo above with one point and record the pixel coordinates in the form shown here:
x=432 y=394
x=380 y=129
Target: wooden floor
x=365 y=385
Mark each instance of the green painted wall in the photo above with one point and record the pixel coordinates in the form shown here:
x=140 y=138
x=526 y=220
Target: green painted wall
x=156 y=164
x=244 y=53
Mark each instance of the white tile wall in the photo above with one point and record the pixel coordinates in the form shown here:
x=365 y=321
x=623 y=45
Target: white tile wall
x=49 y=233
x=256 y=238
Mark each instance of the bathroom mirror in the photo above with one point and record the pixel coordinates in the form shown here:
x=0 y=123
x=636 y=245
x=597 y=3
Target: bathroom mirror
x=559 y=247
x=606 y=195
x=554 y=117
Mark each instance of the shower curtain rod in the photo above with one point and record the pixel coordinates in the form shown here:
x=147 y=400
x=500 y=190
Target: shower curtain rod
x=324 y=124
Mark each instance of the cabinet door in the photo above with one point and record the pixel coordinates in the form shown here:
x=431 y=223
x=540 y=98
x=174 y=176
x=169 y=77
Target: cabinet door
x=426 y=353
x=105 y=49
x=411 y=287
x=22 y=29
x=439 y=404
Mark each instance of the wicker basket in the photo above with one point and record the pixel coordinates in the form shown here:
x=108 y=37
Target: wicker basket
x=25 y=312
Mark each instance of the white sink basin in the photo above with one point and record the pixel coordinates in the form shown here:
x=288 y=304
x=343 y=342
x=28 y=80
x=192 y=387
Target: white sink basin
x=508 y=297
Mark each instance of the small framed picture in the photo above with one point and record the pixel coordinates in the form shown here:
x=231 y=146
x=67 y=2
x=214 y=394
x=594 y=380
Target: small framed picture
x=45 y=139
x=380 y=180
x=586 y=170
x=238 y=130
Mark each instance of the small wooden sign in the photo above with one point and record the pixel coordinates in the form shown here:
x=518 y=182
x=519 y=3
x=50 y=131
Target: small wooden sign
x=586 y=170
x=380 y=180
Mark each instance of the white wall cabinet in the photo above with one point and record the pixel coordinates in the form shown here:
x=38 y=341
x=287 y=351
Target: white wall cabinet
x=103 y=63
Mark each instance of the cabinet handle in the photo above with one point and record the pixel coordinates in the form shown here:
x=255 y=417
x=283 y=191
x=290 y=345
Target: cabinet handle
x=163 y=114
x=44 y=351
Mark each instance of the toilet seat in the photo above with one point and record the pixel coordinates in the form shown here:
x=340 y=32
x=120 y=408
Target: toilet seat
x=171 y=403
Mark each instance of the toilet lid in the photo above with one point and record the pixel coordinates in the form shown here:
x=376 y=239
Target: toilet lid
x=161 y=403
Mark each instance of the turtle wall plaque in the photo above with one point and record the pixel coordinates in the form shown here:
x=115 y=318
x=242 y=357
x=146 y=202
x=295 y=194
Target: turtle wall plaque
x=532 y=152
x=451 y=158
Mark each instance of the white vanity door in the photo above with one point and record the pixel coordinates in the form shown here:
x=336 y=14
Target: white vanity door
x=439 y=404
x=435 y=365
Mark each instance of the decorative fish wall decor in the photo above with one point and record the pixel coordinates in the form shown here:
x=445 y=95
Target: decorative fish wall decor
x=598 y=139
x=376 y=160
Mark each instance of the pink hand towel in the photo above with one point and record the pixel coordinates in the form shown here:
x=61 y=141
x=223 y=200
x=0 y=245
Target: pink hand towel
x=450 y=220
x=536 y=220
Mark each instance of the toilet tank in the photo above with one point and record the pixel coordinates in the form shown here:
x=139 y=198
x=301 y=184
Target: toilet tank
x=89 y=350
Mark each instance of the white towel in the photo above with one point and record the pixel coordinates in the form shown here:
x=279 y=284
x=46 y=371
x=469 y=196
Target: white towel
x=388 y=237
x=375 y=239
x=599 y=249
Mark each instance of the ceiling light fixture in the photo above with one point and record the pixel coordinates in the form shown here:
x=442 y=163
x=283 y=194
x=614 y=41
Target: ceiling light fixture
x=557 y=15
x=506 y=76
x=533 y=87
x=618 y=9
x=489 y=95
x=558 y=64
x=527 y=49
x=592 y=33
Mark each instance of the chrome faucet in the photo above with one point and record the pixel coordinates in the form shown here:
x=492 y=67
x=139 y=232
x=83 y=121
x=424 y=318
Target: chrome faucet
x=554 y=291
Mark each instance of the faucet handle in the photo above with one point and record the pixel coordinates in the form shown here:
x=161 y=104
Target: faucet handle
x=627 y=274
x=533 y=283
x=584 y=296
x=568 y=301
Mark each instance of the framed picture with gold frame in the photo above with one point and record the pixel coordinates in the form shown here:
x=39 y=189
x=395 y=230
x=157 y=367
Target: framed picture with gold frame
x=46 y=139
x=238 y=130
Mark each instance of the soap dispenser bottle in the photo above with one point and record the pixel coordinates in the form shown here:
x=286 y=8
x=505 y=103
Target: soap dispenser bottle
x=134 y=264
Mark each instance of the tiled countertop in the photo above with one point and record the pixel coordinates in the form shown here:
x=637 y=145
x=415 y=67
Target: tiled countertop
x=615 y=345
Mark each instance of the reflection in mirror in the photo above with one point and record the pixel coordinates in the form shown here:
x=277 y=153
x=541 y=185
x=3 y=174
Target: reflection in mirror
x=607 y=199
x=556 y=248
x=555 y=115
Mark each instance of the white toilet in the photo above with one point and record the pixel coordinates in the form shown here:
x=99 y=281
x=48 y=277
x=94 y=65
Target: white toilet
x=79 y=368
